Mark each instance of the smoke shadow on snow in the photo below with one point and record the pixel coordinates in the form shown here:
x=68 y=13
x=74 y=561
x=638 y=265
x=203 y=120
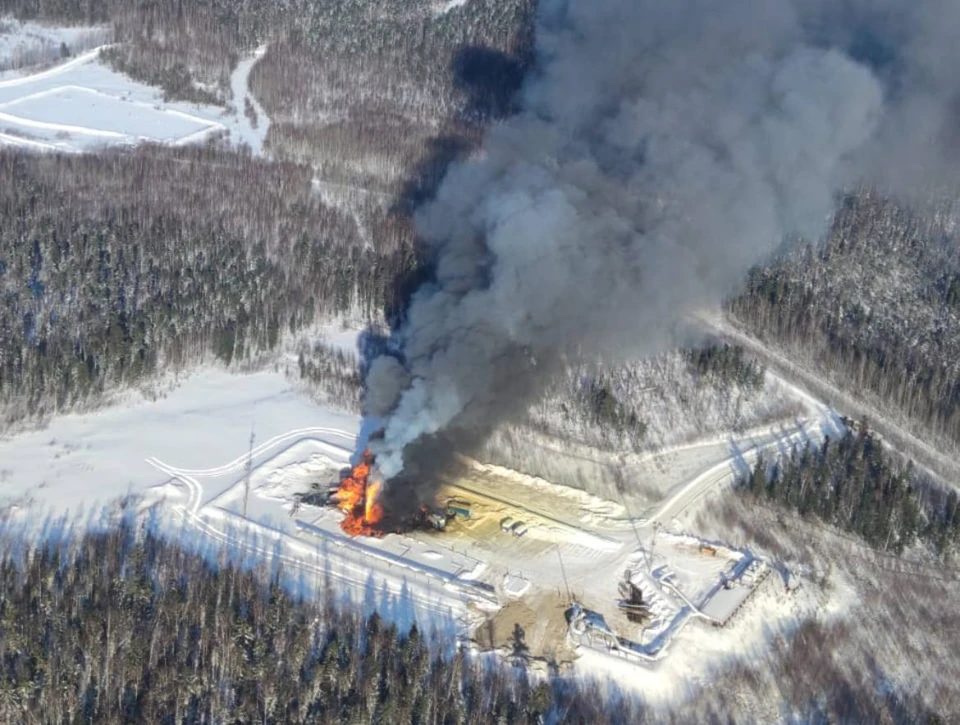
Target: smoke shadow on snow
x=491 y=80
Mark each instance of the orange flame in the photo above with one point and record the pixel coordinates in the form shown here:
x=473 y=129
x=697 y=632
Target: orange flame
x=373 y=509
x=357 y=498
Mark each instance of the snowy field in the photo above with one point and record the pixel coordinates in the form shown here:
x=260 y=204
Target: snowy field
x=81 y=105
x=25 y=44
x=89 y=459
x=103 y=117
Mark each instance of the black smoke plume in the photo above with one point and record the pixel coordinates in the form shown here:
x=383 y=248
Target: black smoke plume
x=661 y=148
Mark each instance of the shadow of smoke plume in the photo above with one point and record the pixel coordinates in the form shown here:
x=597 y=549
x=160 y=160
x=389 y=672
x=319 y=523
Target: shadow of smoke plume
x=489 y=80
x=658 y=151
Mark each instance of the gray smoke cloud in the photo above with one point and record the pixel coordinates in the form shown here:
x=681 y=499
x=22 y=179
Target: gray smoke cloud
x=661 y=149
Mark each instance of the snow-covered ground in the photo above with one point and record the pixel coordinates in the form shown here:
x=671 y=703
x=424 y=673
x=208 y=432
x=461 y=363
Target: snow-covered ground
x=89 y=459
x=242 y=129
x=81 y=105
x=249 y=504
x=447 y=5
x=30 y=43
x=741 y=453
x=802 y=383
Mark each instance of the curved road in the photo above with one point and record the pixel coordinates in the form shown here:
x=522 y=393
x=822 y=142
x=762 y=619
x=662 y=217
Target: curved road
x=943 y=466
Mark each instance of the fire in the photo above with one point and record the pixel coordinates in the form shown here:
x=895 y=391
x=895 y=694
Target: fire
x=373 y=509
x=357 y=498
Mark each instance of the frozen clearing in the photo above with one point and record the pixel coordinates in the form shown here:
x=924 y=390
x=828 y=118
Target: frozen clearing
x=103 y=115
x=82 y=461
x=162 y=451
x=29 y=43
x=82 y=105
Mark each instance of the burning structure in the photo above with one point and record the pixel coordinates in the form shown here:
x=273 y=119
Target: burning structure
x=358 y=497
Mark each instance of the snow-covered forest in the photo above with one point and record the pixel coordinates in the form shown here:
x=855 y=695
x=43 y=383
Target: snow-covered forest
x=121 y=264
x=876 y=309
x=109 y=277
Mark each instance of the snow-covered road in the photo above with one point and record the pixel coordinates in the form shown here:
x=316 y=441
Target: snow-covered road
x=743 y=453
x=814 y=387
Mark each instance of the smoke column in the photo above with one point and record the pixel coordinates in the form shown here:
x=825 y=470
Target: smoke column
x=662 y=148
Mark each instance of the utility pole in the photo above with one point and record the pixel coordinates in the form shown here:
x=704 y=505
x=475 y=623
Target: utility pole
x=246 y=482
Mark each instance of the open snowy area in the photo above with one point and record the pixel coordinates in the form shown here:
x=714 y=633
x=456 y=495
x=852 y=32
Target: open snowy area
x=24 y=44
x=82 y=105
x=89 y=459
x=190 y=451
